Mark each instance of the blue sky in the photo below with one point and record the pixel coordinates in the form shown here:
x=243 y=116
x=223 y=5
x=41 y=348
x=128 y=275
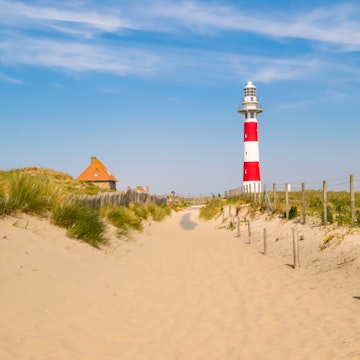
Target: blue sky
x=152 y=89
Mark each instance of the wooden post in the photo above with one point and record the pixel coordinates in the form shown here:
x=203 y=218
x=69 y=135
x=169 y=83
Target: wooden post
x=295 y=249
x=303 y=202
x=274 y=196
x=324 y=203
x=286 y=200
x=352 y=200
x=265 y=242
x=298 y=247
x=249 y=231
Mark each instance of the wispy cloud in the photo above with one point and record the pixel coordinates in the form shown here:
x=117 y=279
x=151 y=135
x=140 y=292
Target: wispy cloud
x=8 y=79
x=67 y=20
x=336 y=24
x=169 y=62
x=328 y=96
x=71 y=37
x=74 y=56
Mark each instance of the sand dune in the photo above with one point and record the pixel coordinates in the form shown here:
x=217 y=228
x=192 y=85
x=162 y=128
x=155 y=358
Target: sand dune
x=182 y=289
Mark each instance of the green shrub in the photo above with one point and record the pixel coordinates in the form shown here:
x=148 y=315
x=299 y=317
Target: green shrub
x=343 y=212
x=357 y=216
x=329 y=213
x=81 y=222
x=293 y=212
x=2 y=205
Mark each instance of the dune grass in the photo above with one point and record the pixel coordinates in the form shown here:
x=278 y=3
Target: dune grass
x=46 y=193
x=338 y=205
x=212 y=209
x=124 y=219
x=130 y=218
x=81 y=222
x=23 y=192
x=158 y=212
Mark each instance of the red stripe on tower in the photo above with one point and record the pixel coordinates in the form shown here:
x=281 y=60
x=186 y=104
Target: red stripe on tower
x=251 y=171
x=251 y=131
x=250 y=111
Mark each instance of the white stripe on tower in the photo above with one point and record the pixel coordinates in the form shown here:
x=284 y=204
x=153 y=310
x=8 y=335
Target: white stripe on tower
x=250 y=111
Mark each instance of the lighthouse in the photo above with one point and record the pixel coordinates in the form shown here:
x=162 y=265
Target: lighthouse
x=250 y=111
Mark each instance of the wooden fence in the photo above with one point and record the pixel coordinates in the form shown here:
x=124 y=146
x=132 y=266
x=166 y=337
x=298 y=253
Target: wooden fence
x=120 y=198
x=263 y=198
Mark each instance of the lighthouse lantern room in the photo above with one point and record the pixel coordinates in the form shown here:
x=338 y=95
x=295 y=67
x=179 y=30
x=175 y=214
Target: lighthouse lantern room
x=250 y=111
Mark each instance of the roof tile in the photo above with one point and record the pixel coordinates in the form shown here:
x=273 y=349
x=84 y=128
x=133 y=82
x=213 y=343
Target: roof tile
x=96 y=171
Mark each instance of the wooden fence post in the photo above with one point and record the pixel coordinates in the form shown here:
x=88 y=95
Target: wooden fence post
x=324 y=203
x=238 y=226
x=274 y=196
x=249 y=231
x=303 y=202
x=352 y=200
x=295 y=248
x=286 y=200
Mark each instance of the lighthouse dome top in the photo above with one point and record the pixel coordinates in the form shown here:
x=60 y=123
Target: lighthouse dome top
x=250 y=85
x=250 y=92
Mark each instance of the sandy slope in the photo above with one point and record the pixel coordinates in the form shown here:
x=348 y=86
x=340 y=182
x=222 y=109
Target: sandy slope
x=182 y=289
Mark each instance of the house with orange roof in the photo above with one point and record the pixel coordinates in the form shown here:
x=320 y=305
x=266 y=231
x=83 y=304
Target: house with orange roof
x=140 y=189
x=98 y=174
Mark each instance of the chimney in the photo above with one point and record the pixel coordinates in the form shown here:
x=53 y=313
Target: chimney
x=92 y=159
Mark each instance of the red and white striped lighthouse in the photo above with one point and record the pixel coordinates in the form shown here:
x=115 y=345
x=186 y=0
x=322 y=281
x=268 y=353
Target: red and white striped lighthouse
x=250 y=111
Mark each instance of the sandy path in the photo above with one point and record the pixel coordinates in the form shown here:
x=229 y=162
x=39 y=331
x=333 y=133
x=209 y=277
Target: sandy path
x=183 y=290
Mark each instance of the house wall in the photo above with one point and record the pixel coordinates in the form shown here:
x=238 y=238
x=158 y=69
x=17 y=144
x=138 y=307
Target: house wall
x=105 y=184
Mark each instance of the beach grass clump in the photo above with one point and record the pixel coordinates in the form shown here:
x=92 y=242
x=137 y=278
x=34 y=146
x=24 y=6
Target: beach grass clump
x=140 y=210
x=159 y=212
x=81 y=222
x=123 y=218
x=130 y=218
x=212 y=209
x=29 y=194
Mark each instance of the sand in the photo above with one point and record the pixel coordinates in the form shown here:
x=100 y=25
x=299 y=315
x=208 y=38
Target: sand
x=182 y=289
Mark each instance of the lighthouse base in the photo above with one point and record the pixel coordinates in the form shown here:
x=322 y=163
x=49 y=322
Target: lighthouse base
x=252 y=186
